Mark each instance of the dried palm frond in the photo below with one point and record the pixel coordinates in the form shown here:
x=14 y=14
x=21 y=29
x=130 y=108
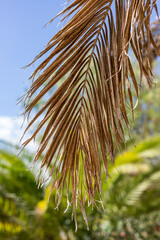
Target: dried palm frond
x=84 y=117
x=155 y=28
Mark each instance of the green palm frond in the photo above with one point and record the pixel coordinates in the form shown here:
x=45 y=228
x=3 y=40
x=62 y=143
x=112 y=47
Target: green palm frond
x=151 y=143
x=14 y=178
x=133 y=160
x=84 y=117
x=134 y=196
x=132 y=168
x=18 y=195
x=10 y=229
x=142 y=175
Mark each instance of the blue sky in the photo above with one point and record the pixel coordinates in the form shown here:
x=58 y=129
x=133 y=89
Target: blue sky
x=22 y=38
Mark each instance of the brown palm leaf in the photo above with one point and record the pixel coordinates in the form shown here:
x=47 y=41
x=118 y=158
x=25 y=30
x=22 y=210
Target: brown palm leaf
x=84 y=117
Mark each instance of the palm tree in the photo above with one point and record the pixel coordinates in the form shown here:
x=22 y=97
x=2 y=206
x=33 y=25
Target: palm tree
x=85 y=116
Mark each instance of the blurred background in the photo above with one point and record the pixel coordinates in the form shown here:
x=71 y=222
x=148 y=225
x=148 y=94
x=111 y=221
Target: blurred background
x=131 y=196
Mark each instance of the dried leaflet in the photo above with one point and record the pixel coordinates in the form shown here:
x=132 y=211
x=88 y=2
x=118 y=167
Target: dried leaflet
x=84 y=117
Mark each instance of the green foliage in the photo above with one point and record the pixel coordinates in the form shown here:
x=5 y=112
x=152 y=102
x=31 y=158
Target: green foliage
x=131 y=198
x=18 y=195
x=131 y=195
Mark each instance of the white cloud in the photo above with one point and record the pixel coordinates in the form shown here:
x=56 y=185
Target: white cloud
x=11 y=131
